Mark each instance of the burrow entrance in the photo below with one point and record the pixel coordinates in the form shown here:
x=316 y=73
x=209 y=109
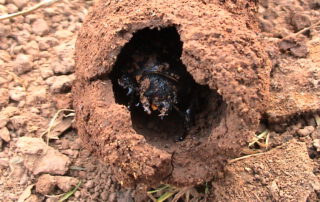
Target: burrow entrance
x=154 y=54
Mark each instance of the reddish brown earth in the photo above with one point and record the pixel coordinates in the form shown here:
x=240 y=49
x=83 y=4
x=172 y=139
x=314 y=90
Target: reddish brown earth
x=229 y=61
x=37 y=70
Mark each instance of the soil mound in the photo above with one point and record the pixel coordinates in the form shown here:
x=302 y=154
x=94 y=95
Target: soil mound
x=216 y=44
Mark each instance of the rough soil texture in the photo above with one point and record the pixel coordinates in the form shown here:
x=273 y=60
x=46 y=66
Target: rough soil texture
x=36 y=73
x=295 y=77
x=282 y=174
x=228 y=60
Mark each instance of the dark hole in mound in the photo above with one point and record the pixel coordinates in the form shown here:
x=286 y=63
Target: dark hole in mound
x=151 y=80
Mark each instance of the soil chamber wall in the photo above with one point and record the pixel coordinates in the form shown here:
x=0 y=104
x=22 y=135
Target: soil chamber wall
x=216 y=44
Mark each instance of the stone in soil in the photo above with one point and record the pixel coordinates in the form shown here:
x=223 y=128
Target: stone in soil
x=296 y=47
x=65 y=66
x=4 y=97
x=61 y=84
x=306 y=131
x=38 y=94
x=4 y=162
x=17 y=93
x=47 y=183
x=6 y=115
x=47 y=42
x=5 y=134
x=5 y=56
x=20 y=3
x=300 y=21
x=12 y=8
x=22 y=64
x=316 y=144
x=40 y=158
x=40 y=27
x=66 y=183
x=18 y=122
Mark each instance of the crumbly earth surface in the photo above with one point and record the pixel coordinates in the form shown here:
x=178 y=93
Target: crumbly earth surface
x=36 y=73
x=295 y=181
x=230 y=61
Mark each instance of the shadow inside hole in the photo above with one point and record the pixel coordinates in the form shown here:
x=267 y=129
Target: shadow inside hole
x=167 y=46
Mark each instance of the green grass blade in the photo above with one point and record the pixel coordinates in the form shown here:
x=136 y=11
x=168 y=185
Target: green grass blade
x=70 y=193
x=159 y=189
x=165 y=196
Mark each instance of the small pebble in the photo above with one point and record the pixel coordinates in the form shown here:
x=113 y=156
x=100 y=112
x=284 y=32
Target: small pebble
x=22 y=64
x=4 y=162
x=40 y=27
x=316 y=144
x=112 y=197
x=306 y=131
x=77 y=194
x=104 y=195
x=300 y=21
x=5 y=134
x=4 y=97
x=17 y=94
x=89 y=184
x=20 y=3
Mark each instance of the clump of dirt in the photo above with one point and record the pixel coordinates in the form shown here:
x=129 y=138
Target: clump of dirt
x=225 y=62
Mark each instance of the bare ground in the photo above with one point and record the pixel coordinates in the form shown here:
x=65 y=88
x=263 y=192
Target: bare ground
x=37 y=70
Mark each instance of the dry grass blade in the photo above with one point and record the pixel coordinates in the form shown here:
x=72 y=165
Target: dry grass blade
x=317 y=119
x=182 y=192
x=76 y=168
x=317 y=24
x=151 y=197
x=26 y=193
x=243 y=157
x=52 y=122
x=248 y=151
x=267 y=140
x=43 y=3
x=259 y=137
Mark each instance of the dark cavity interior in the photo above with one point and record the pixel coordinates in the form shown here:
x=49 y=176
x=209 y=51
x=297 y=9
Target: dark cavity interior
x=141 y=58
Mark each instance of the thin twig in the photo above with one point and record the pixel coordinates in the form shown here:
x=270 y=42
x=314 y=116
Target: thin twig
x=181 y=192
x=52 y=122
x=43 y=3
x=244 y=157
x=302 y=31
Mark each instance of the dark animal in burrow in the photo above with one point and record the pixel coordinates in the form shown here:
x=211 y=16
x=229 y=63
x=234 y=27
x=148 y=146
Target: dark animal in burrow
x=160 y=86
